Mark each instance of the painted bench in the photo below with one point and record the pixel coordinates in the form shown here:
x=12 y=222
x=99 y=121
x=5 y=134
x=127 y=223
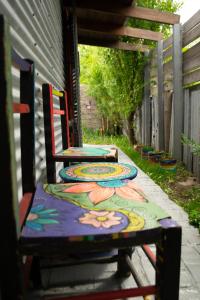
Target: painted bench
x=68 y=153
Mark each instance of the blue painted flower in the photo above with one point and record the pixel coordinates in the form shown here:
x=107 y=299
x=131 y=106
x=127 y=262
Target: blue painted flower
x=39 y=216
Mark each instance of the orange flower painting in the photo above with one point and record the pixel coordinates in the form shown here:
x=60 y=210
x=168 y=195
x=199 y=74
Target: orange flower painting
x=104 y=190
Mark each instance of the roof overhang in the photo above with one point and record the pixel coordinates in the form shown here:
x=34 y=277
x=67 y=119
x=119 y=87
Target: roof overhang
x=102 y=23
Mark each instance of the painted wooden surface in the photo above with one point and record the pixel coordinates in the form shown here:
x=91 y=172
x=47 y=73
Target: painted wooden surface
x=98 y=172
x=68 y=154
x=89 y=209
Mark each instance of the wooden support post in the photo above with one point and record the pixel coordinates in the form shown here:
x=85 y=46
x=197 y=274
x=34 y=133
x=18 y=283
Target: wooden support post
x=27 y=96
x=9 y=221
x=147 y=110
x=168 y=257
x=178 y=92
x=160 y=75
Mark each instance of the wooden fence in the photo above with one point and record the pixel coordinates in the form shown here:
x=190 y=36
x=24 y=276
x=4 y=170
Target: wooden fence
x=171 y=104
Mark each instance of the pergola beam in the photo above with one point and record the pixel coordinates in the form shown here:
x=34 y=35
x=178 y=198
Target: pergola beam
x=143 y=13
x=115 y=45
x=121 y=31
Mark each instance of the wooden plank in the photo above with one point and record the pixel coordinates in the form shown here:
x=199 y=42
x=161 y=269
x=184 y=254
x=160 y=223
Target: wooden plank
x=195 y=127
x=57 y=93
x=132 y=12
x=27 y=128
x=9 y=217
x=58 y=112
x=65 y=122
x=24 y=206
x=119 y=294
x=191 y=77
x=147 y=102
x=21 y=108
x=121 y=31
x=178 y=92
x=160 y=97
x=192 y=22
x=191 y=58
x=167 y=42
x=49 y=132
x=167 y=53
x=187 y=156
x=191 y=35
x=116 y=44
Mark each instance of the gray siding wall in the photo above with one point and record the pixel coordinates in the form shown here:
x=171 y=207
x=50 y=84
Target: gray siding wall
x=36 y=34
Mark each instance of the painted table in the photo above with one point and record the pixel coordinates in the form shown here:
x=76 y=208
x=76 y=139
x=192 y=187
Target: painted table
x=81 y=209
x=98 y=172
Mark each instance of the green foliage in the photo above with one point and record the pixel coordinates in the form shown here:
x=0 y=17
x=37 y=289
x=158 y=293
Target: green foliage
x=115 y=77
x=195 y=147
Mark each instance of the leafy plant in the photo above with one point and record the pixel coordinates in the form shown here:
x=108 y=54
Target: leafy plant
x=195 y=147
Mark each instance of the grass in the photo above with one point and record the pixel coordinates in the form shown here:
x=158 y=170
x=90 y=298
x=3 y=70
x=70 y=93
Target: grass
x=188 y=198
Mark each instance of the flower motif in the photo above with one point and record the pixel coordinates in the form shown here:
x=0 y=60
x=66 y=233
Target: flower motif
x=39 y=216
x=103 y=190
x=99 y=219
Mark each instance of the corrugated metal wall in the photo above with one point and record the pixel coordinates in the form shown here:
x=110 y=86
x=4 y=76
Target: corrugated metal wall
x=36 y=33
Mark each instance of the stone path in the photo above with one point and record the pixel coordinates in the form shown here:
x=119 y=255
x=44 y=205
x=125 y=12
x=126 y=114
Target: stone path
x=190 y=262
x=101 y=277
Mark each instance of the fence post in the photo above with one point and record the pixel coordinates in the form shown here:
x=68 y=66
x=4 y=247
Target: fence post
x=160 y=75
x=178 y=91
x=147 y=111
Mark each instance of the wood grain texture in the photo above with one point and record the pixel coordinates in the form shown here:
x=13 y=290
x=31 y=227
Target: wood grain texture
x=131 y=11
x=112 y=44
x=120 y=31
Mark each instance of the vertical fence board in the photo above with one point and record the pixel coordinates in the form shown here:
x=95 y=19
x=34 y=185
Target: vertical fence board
x=178 y=91
x=147 y=102
x=195 y=127
x=160 y=96
x=187 y=157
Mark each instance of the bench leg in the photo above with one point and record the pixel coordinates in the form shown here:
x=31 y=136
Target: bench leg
x=168 y=265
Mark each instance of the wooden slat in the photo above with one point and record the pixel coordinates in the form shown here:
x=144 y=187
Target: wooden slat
x=116 y=45
x=121 y=31
x=167 y=42
x=58 y=112
x=125 y=293
x=57 y=93
x=21 y=108
x=24 y=206
x=192 y=22
x=191 y=77
x=132 y=12
x=191 y=58
x=191 y=35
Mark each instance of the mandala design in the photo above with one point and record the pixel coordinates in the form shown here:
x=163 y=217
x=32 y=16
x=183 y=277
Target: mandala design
x=98 y=172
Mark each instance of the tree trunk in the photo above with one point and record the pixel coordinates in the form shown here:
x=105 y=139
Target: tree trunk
x=130 y=129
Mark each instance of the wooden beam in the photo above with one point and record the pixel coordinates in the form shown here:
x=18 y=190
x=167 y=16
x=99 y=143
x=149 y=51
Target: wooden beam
x=132 y=12
x=121 y=31
x=114 y=44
